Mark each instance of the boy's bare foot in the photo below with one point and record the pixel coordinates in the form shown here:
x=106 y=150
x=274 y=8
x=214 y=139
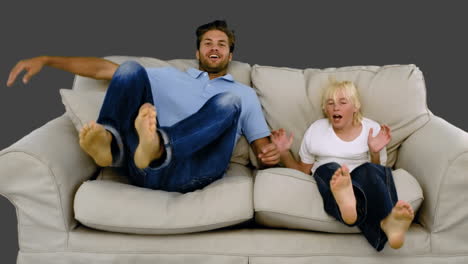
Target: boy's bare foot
x=342 y=190
x=397 y=223
x=96 y=141
x=149 y=147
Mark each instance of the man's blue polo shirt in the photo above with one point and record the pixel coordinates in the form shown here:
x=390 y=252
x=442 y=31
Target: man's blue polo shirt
x=178 y=95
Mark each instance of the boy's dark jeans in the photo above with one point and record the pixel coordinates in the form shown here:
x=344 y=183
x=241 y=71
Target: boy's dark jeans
x=375 y=193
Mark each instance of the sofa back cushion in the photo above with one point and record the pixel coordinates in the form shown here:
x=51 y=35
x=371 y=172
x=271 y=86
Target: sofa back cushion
x=394 y=95
x=239 y=70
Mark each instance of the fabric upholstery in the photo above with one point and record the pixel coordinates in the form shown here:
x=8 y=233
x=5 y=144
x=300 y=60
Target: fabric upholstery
x=233 y=246
x=40 y=180
x=437 y=156
x=245 y=242
x=110 y=204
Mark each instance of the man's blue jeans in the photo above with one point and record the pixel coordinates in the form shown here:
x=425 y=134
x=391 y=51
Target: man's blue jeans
x=197 y=149
x=375 y=194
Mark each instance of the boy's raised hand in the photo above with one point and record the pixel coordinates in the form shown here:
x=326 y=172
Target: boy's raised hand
x=377 y=143
x=281 y=139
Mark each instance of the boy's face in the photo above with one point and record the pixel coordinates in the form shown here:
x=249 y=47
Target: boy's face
x=340 y=111
x=214 y=55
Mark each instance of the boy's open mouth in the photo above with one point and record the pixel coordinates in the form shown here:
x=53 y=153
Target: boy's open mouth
x=337 y=117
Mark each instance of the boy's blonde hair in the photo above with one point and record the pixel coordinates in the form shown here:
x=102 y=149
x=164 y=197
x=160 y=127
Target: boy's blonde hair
x=350 y=92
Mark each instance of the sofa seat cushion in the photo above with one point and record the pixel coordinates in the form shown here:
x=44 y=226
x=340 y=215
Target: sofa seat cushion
x=286 y=246
x=288 y=198
x=111 y=204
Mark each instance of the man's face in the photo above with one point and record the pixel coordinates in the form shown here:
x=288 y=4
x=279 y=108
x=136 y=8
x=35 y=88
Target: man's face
x=213 y=54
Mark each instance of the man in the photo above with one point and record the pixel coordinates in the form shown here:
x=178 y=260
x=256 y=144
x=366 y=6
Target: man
x=171 y=130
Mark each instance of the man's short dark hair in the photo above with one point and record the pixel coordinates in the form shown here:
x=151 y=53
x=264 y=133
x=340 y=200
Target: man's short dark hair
x=220 y=25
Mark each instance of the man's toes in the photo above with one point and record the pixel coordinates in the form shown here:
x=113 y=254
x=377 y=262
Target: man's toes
x=85 y=128
x=93 y=125
x=151 y=112
x=144 y=112
x=147 y=105
x=84 y=131
x=81 y=134
x=145 y=108
x=152 y=122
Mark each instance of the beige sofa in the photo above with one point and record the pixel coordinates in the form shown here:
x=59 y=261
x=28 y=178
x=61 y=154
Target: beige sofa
x=249 y=216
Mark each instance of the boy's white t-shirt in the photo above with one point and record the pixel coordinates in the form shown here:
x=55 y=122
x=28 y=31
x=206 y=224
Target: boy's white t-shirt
x=321 y=145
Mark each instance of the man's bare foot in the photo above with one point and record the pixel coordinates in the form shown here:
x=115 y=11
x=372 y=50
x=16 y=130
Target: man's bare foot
x=342 y=190
x=149 y=147
x=96 y=141
x=397 y=223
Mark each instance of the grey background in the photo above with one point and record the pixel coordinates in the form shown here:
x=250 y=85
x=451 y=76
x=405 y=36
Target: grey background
x=290 y=34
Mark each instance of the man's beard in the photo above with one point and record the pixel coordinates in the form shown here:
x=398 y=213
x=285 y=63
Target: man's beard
x=216 y=69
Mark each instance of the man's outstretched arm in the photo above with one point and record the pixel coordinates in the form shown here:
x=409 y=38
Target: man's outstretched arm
x=92 y=67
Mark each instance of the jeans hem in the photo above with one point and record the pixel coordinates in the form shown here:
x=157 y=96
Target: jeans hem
x=115 y=133
x=168 y=149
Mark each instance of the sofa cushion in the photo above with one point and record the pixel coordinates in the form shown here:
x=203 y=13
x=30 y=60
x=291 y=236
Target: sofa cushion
x=82 y=107
x=112 y=205
x=288 y=198
x=394 y=95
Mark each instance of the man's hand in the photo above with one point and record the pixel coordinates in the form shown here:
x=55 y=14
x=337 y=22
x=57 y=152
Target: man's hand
x=377 y=143
x=31 y=66
x=269 y=154
x=281 y=139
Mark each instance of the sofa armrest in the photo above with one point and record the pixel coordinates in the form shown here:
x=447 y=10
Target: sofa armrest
x=40 y=174
x=437 y=156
